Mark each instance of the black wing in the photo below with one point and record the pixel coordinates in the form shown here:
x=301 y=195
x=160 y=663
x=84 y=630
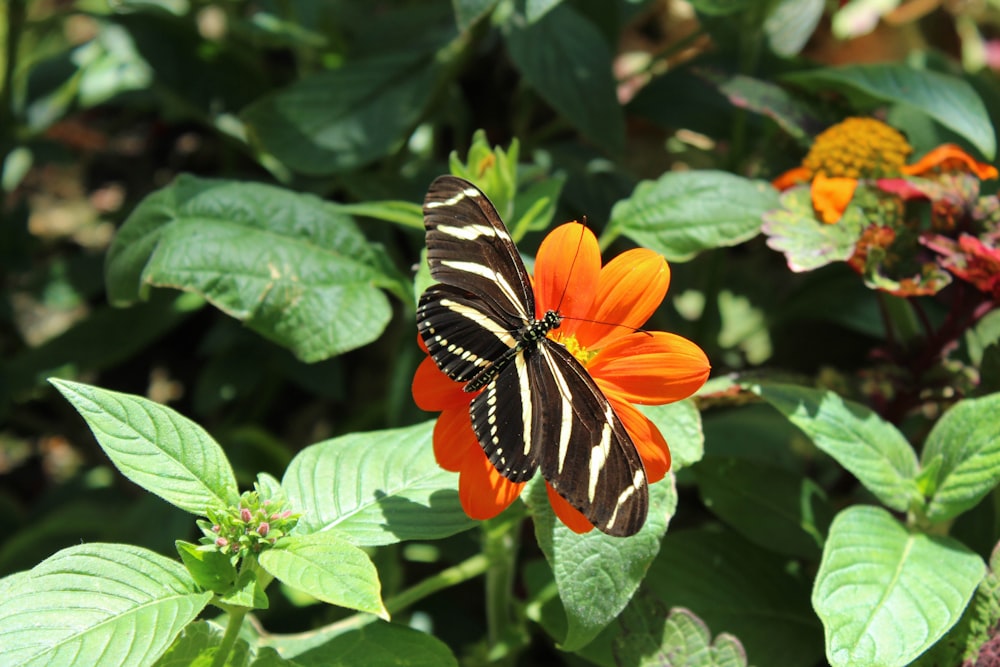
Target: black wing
x=545 y=408
x=484 y=297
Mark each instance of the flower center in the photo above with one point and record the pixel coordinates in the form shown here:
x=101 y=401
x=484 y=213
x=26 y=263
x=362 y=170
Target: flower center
x=573 y=346
x=858 y=148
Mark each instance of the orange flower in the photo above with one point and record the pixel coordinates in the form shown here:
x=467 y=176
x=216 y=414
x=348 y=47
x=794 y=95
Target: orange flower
x=858 y=149
x=629 y=366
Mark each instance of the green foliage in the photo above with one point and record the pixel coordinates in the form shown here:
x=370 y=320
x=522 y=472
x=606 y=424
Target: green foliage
x=217 y=206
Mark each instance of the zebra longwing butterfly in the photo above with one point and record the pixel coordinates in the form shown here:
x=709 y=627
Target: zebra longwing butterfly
x=538 y=407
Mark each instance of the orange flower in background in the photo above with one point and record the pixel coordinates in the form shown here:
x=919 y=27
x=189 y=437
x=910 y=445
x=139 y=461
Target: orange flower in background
x=649 y=368
x=864 y=148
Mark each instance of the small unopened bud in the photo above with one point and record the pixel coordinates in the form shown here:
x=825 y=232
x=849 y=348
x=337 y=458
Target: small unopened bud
x=221 y=542
x=264 y=528
x=216 y=528
x=245 y=514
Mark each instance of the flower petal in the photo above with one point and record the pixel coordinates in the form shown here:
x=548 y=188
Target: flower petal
x=650 y=368
x=630 y=289
x=792 y=177
x=647 y=439
x=566 y=270
x=949 y=157
x=483 y=491
x=434 y=391
x=831 y=195
x=454 y=438
x=569 y=515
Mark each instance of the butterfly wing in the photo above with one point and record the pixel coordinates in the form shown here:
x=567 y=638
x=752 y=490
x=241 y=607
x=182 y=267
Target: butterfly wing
x=544 y=408
x=484 y=296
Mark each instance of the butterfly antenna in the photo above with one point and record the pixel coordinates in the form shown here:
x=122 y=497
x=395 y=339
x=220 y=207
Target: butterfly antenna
x=572 y=265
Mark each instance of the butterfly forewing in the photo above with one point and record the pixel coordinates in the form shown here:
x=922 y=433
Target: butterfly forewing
x=537 y=407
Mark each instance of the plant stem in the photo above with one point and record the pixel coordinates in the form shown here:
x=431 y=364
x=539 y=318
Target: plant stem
x=500 y=545
x=236 y=616
x=467 y=569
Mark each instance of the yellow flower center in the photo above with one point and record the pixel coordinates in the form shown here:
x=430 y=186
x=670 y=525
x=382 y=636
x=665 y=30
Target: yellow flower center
x=858 y=148
x=573 y=347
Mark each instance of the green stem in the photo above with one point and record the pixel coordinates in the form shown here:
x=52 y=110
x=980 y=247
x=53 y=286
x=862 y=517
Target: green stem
x=15 y=27
x=500 y=546
x=236 y=616
x=467 y=569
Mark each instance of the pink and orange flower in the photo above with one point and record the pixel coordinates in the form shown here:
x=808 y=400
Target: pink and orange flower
x=630 y=366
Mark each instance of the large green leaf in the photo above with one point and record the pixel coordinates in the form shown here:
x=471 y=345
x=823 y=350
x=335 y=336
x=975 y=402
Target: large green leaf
x=467 y=12
x=91 y=604
x=290 y=266
x=596 y=574
x=376 y=488
x=885 y=594
x=947 y=99
x=967 y=440
x=345 y=118
x=329 y=568
x=770 y=506
x=380 y=644
x=790 y=24
x=566 y=60
x=156 y=447
x=871 y=449
x=683 y=213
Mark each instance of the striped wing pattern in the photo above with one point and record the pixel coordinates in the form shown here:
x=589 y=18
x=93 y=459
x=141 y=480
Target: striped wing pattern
x=538 y=406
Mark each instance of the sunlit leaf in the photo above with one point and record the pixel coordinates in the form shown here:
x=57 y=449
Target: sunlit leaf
x=884 y=593
x=808 y=243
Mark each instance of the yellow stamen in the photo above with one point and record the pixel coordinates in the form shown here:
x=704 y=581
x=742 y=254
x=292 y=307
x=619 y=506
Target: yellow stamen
x=573 y=346
x=858 y=148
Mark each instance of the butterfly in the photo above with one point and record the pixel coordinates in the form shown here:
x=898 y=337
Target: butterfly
x=537 y=406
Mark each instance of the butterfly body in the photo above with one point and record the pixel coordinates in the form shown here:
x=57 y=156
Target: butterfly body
x=536 y=406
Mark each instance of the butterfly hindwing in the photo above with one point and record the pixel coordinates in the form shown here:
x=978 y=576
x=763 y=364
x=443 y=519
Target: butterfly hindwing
x=588 y=458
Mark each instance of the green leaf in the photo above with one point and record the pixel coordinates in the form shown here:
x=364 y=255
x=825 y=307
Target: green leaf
x=288 y=265
x=122 y=603
x=249 y=590
x=768 y=99
x=467 y=12
x=680 y=424
x=564 y=58
x=807 y=242
x=157 y=448
x=885 y=594
x=594 y=566
x=652 y=637
x=967 y=440
x=376 y=488
x=199 y=642
x=771 y=507
x=329 y=568
x=947 y=99
x=734 y=585
x=791 y=23
x=345 y=118
x=872 y=450
x=536 y=9
x=405 y=213
x=212 y=570
x=683 y=213
x=720 y=7
x=380 y=644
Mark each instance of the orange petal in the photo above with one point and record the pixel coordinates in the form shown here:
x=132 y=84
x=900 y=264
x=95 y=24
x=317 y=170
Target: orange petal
x=434 y=391
x=454 y=438
x=946 y=157
x=831 y=195
x=569 y=515
x=483 y=491
x=647 y=438
x=566 y=270
x=650 y=368
x=792 y=177
x=630 y=289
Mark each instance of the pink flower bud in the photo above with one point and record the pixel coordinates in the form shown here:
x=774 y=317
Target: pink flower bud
x=221 y=542
x=264 y=528
x=245 y=514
